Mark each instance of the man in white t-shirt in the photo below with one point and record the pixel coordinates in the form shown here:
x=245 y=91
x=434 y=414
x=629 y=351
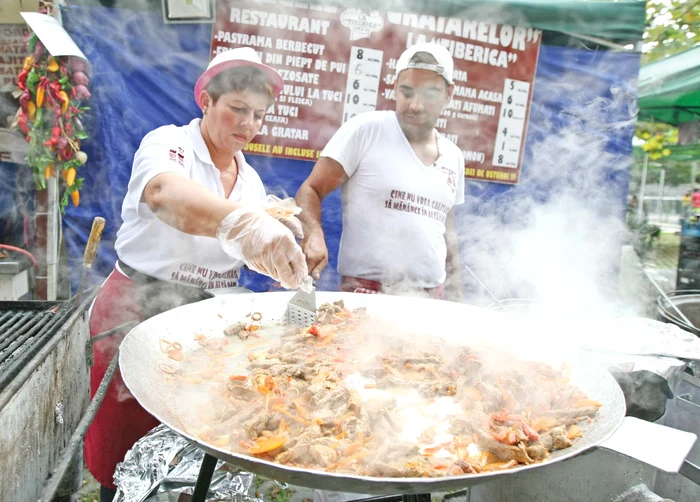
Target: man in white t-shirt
x=400 y=180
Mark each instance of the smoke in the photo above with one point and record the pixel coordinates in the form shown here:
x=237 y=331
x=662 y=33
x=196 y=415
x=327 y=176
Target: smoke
x=120 y=302
x=142 y=77
x=557 y=236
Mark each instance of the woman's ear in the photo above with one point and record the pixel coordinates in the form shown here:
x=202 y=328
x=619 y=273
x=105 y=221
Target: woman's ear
x=204 y=101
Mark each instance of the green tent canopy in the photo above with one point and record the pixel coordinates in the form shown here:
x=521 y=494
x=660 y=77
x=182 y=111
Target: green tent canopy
x=669 y=89
x=621 y=20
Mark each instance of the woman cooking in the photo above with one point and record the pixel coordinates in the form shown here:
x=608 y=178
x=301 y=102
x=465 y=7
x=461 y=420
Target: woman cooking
x=194 y=213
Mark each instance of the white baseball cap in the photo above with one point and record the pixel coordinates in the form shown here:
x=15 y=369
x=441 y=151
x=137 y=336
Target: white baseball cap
x=240 y=56
x=443 y=67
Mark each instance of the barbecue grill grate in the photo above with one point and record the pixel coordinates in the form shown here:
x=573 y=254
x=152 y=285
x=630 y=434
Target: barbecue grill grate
x=24 y=329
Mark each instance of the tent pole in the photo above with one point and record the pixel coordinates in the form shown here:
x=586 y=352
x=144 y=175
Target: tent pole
x=660 y=206
x=640 y=204
x=600 y=41
x=52 y=240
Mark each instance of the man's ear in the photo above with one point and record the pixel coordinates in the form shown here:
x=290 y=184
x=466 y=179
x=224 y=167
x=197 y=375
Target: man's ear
x=450 y=91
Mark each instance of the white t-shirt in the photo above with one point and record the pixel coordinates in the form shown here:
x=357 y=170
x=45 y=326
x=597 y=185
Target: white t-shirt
x=152 y=247
x=394 y=206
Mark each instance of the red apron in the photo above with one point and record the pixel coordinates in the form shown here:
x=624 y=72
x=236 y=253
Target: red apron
x=359 y=285
x=120 y=420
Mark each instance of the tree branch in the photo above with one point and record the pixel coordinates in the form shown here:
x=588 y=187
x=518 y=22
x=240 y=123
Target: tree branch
x=676 y=19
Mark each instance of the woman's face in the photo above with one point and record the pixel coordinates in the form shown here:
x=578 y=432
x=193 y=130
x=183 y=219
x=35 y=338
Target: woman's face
x=235 y=119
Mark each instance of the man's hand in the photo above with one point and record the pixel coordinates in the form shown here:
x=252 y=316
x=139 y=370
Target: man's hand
x=326 y=176
x=314 y=247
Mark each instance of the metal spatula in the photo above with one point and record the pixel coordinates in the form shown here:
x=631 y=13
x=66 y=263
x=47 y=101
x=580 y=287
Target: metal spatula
x=301 y=309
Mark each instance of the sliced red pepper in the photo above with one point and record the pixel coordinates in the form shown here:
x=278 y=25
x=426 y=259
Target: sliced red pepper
x=506 y=436
x=529 y=432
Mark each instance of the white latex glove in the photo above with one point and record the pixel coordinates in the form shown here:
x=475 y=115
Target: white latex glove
x=264 y=244
x=285 y=211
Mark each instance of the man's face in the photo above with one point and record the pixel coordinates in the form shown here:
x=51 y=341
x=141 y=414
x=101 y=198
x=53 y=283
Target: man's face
x=420 y=96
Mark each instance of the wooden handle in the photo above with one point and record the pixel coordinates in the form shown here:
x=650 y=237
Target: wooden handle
x=98 y=225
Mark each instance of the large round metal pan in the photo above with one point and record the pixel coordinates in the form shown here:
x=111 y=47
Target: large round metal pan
x=140 y=358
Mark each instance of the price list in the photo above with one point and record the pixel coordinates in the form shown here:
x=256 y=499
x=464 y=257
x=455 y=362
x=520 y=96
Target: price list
x=511 y=124
x=339 y=62
x=362 y=87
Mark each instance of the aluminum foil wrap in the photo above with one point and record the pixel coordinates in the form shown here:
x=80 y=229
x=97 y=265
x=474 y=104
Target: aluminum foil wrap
x=165 y=462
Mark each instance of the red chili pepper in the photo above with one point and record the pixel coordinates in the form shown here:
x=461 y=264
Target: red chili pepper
x=55 y=117
x=22 y=123
x=24 y=99
x=66 y=153
x=55 y=134
x=55 y=88
x=22 y=79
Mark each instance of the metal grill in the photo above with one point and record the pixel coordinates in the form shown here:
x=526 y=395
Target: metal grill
x=24 y=329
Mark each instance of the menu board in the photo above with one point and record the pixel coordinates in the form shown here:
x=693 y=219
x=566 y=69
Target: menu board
x=338 y=62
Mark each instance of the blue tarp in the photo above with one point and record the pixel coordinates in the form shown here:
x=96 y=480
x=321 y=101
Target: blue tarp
x=144 y=72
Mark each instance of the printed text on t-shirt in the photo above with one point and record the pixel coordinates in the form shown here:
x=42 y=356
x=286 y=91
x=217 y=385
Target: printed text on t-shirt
x=400 y=200
x=205 y=278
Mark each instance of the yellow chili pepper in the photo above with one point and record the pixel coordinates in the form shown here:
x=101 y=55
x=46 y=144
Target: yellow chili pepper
x=75 y=197
x=40 y=96
x=28 y=63
x=48 y=171
x=70 y=176
x=53 y=65
x=31 y=108
x=65 y=101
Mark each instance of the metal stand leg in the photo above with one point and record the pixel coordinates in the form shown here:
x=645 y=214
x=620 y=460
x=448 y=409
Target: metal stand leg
x=206 y=471
x=418 y=497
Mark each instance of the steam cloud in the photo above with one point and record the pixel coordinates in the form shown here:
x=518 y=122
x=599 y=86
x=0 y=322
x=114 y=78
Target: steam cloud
x=557 y=236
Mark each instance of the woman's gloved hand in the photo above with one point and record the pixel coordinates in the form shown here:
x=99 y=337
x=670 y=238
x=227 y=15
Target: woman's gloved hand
x=264 y=244
x=285 y=211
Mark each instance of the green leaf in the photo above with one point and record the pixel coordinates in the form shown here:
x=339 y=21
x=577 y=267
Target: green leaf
x=64 y=202
x=81 y=135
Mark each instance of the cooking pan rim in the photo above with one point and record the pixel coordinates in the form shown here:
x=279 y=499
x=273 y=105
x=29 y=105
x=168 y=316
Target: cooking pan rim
x=363 y=484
